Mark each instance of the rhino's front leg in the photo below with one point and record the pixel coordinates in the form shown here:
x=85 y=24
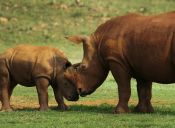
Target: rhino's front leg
x=10 y=91
x=59 y=99
x=42 y=89
x=4 y=87
x=123 y=80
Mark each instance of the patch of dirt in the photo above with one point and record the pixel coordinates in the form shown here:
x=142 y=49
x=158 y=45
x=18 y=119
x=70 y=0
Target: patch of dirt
x=94 y=102
x=22 y=105
x=3 y=20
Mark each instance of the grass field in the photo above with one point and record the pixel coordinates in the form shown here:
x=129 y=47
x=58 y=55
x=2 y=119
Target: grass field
x=47 y=22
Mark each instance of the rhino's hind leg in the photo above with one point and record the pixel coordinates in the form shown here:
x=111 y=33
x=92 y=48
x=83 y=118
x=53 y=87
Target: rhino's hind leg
x=144 y=93
x=123 y=80
x=42 y=89
x=4 y=87
x=59 y=98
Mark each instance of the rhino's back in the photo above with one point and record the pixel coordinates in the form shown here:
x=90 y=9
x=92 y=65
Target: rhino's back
x=144 y=43
x=120 y=25
x=149 y=48
x=27 y=62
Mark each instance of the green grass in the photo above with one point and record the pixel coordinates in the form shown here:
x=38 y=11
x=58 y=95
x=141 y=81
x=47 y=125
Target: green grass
x=87 y=117
x=47 y=22
x=80 y=115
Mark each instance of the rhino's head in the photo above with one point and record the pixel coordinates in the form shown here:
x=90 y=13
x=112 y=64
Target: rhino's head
x=89 y=74
x=64 y=86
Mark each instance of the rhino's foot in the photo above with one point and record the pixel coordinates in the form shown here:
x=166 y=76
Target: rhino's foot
x=120 y=110
x=63 y=107
x=150 y=109
x=6 y=110
x=144 y=109
x=43 y=108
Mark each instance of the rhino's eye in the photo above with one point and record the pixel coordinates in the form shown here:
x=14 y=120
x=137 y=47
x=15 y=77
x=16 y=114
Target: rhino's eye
x=65 y=83
x=76 y=68
x=68 y=64
x=83 y=67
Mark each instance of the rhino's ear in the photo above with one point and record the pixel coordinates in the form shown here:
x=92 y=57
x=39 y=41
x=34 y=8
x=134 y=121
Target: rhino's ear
x=78 y=39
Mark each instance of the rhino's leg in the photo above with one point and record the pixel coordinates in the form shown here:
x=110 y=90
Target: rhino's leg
x=42 y=89
x=11 y=88
x=59 y=99
x=4 y=87
x=144 y=93
x=123 y=80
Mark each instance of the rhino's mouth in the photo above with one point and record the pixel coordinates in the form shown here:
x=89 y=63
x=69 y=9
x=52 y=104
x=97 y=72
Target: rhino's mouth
x=73 y=98
x=85 y=93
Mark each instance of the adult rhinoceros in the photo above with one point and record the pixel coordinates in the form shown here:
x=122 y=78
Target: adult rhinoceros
x=130 y=46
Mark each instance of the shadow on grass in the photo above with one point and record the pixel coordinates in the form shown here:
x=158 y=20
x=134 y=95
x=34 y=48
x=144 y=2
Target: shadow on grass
x=160 y=110
x=26 y=109
x=163 y=110
x=103 y=108
x=109 y=109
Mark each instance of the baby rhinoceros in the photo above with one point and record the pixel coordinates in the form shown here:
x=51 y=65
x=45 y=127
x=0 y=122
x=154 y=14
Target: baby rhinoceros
x=35 y=65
